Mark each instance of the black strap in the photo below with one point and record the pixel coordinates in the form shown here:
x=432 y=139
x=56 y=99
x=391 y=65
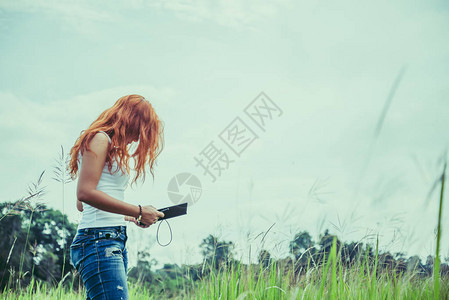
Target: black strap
x=157 y=233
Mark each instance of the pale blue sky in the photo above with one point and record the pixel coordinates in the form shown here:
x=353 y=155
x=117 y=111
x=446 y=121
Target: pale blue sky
x=328 y=65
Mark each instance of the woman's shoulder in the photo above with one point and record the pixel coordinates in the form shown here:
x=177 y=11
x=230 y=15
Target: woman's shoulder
x=99 y=143
x=106 y=135
x=101 y=137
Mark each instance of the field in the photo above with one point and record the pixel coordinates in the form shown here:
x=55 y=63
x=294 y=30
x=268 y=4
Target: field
x=330 y=269
x=330 y=281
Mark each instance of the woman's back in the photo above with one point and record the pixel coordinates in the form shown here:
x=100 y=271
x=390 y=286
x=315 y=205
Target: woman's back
x=112 y=184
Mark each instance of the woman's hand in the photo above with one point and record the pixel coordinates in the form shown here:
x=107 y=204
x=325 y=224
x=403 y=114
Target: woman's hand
x=150 y=215
x=134 y=220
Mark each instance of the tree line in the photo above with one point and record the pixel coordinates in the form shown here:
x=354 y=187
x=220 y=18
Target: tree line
x=35 y=243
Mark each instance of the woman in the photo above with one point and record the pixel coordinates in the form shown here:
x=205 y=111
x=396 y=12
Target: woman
x=100 y=156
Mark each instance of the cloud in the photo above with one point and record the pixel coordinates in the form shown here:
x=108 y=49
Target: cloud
x=83 y=15
x=81 y=10
x=80 y=16
x=235 y=14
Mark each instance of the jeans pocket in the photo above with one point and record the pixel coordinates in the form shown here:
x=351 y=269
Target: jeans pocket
x=77 y=255
x=77 y=249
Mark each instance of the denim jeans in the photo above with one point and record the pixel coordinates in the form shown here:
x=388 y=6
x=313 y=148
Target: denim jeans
x=100 y=256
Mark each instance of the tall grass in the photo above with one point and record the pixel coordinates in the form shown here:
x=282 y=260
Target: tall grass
x=436 y=269
x=35 y=194
x=328 y=280
x=63 y=177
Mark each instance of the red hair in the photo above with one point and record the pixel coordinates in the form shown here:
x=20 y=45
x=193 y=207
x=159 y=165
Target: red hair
x=132 y=117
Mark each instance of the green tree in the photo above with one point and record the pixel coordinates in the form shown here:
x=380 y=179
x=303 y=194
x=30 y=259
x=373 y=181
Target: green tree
x=12 y=245
x=51 y=232
x=142 y=272
x=325 y=244
x=264 y=258
x=300 y=243
x=216 y=252
x=33 y=240
x=352 y=253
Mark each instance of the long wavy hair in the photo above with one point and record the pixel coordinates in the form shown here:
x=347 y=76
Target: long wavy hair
x=131 y=118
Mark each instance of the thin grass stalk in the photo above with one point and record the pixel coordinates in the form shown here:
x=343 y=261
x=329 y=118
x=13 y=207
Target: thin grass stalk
x=342 y=281
x=22 y=256
x=333 y=258
x=60 y=171
x=398 y=284
x=436 y=269
x=373 y=277
x=7 y=260
x=30 y=288
x=324 y=275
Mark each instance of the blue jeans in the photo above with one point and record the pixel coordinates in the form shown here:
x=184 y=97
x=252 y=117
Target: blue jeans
x=100 y=256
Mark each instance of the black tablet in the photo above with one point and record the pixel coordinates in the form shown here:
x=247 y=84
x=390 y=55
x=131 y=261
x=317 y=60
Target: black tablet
x=173 y=211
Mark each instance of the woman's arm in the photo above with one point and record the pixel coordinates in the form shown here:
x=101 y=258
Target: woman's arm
x=92 y=165
x=79 y=205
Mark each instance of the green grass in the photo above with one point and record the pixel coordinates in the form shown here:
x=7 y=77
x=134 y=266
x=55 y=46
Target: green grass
x=331 y=279
x=328 y=281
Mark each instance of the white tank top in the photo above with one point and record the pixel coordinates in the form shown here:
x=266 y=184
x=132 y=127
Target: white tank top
x=112 y=184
